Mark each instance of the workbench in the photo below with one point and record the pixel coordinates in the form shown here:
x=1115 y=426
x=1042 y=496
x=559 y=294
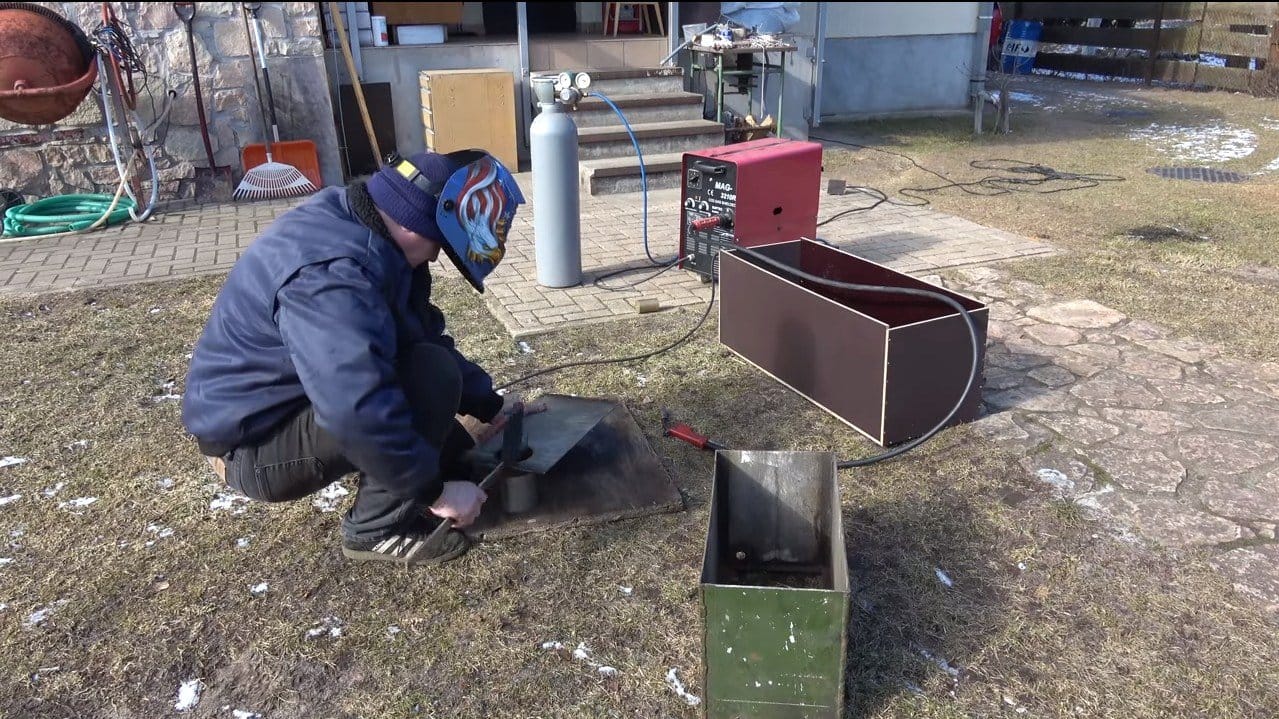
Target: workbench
x=711 y=59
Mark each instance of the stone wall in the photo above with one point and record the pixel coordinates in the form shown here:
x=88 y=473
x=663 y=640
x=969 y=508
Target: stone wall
x=74 y=156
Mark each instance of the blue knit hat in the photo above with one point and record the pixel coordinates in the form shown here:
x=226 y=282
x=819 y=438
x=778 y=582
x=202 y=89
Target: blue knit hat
x=407 y=203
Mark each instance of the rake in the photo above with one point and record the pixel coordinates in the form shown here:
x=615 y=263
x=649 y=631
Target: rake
x=270 y=179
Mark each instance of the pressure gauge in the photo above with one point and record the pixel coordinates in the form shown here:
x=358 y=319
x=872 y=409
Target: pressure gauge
x=564 y=80
x=583 y=81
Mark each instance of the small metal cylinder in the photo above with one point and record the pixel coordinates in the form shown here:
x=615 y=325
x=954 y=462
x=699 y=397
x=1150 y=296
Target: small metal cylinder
x=519 y=493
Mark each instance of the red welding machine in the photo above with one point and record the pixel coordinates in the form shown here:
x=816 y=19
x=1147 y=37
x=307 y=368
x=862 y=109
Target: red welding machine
x=749 y=194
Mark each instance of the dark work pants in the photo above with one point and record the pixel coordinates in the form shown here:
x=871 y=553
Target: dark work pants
x=299 y=458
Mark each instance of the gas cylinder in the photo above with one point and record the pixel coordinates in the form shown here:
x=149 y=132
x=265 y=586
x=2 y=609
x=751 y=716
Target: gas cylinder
x=557 y=222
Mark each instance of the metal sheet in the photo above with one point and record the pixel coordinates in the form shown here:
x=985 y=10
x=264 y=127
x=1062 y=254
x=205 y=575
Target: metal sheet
x=611 y=474
x=551 y=434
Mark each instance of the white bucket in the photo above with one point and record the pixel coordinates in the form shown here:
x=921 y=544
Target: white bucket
x=380 y=36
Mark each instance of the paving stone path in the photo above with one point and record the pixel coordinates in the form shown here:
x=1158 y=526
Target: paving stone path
x=1167 y=437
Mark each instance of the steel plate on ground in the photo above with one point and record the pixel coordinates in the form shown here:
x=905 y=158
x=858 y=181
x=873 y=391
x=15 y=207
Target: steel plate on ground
x=551 y=434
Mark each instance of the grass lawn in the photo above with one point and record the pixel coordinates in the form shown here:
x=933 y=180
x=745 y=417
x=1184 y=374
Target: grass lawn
x=1203 y=259
x=110 y=606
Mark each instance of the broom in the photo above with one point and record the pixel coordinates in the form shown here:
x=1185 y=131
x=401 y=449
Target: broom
x=271 y=179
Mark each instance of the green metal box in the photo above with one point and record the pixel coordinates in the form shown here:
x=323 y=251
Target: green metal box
x=774 y=588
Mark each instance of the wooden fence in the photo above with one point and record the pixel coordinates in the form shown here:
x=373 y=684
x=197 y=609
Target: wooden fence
x=1226 y=45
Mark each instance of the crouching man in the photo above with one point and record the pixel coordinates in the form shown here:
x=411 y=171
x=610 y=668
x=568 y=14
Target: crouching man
x=323 y=354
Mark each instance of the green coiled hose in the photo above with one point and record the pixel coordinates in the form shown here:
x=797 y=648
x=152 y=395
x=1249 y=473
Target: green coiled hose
x=65 y=213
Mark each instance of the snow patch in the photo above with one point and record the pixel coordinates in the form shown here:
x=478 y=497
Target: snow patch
x=10 y=499
x=943 y=577
x=392 y=630
x=1214 y=142
x=241 y=714
x=1058 y=479
x=6 y=561
x=227 y=500
x=258 y=590
x=165 y=483
x=12 y=461
x=242 y=543
x=607 y=671
x=79 y=444
x=552 y=646
x=940 y=662
x=525 y=348
x=1270 y=123
x=77 y=503
x=188 y=695
x=52 y=492
x=626 y=591
x=41 y=615
x=328 y=498
x=1272 y=167
x=672 y=680
x=160 y=532
x=332 y=626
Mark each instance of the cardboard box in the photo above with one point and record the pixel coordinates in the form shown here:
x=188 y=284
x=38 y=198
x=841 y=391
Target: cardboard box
x=419 y=13
x=421 y=34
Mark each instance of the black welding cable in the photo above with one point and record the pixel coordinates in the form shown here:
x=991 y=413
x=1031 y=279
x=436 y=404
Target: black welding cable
x=963 y=312
x=620 y=360
x=663 y=267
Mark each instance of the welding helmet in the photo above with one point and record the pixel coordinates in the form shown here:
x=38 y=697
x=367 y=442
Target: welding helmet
x=474 y=208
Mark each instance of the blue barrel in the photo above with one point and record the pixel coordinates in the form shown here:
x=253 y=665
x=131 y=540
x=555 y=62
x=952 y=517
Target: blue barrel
x=1021 y=44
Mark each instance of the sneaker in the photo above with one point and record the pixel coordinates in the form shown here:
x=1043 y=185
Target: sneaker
x=409 y=546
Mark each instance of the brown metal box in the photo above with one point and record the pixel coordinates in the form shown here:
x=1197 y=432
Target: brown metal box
x=891 y=366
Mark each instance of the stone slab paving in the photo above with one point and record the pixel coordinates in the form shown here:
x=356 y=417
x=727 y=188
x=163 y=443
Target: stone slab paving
x=908 y=239
x=1165 y=438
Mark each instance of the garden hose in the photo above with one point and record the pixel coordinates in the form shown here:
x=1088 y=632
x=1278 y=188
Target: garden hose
x=67 y=214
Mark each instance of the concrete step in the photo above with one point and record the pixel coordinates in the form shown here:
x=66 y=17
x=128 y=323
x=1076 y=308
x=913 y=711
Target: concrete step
x=633 y=81
x=622 y=174
x=655 y=138
x=639 y=108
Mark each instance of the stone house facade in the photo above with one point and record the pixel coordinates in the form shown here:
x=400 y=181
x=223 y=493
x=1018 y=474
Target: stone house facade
x=73 y=155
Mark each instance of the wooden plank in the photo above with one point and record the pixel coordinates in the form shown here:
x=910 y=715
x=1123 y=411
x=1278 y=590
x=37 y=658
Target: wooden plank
x=473 y=108
x=611 y=474
x=1220 y=41
x=1092 y=65
x=1175 y=71
x=1241 y=13
x=1106 y=10
x=1134 y=38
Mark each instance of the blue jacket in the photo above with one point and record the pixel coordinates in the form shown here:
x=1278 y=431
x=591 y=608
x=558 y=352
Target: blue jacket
x=315 y=310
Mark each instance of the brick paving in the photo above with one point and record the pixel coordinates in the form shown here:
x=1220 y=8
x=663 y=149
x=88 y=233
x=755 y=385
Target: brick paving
x=908 y=239
x=190 y=240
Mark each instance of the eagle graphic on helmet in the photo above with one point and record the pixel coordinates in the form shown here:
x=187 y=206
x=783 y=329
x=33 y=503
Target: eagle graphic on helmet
x=475 y=213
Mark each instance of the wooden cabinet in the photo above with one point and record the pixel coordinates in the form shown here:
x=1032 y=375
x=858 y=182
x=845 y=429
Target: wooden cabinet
x=464 y=109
